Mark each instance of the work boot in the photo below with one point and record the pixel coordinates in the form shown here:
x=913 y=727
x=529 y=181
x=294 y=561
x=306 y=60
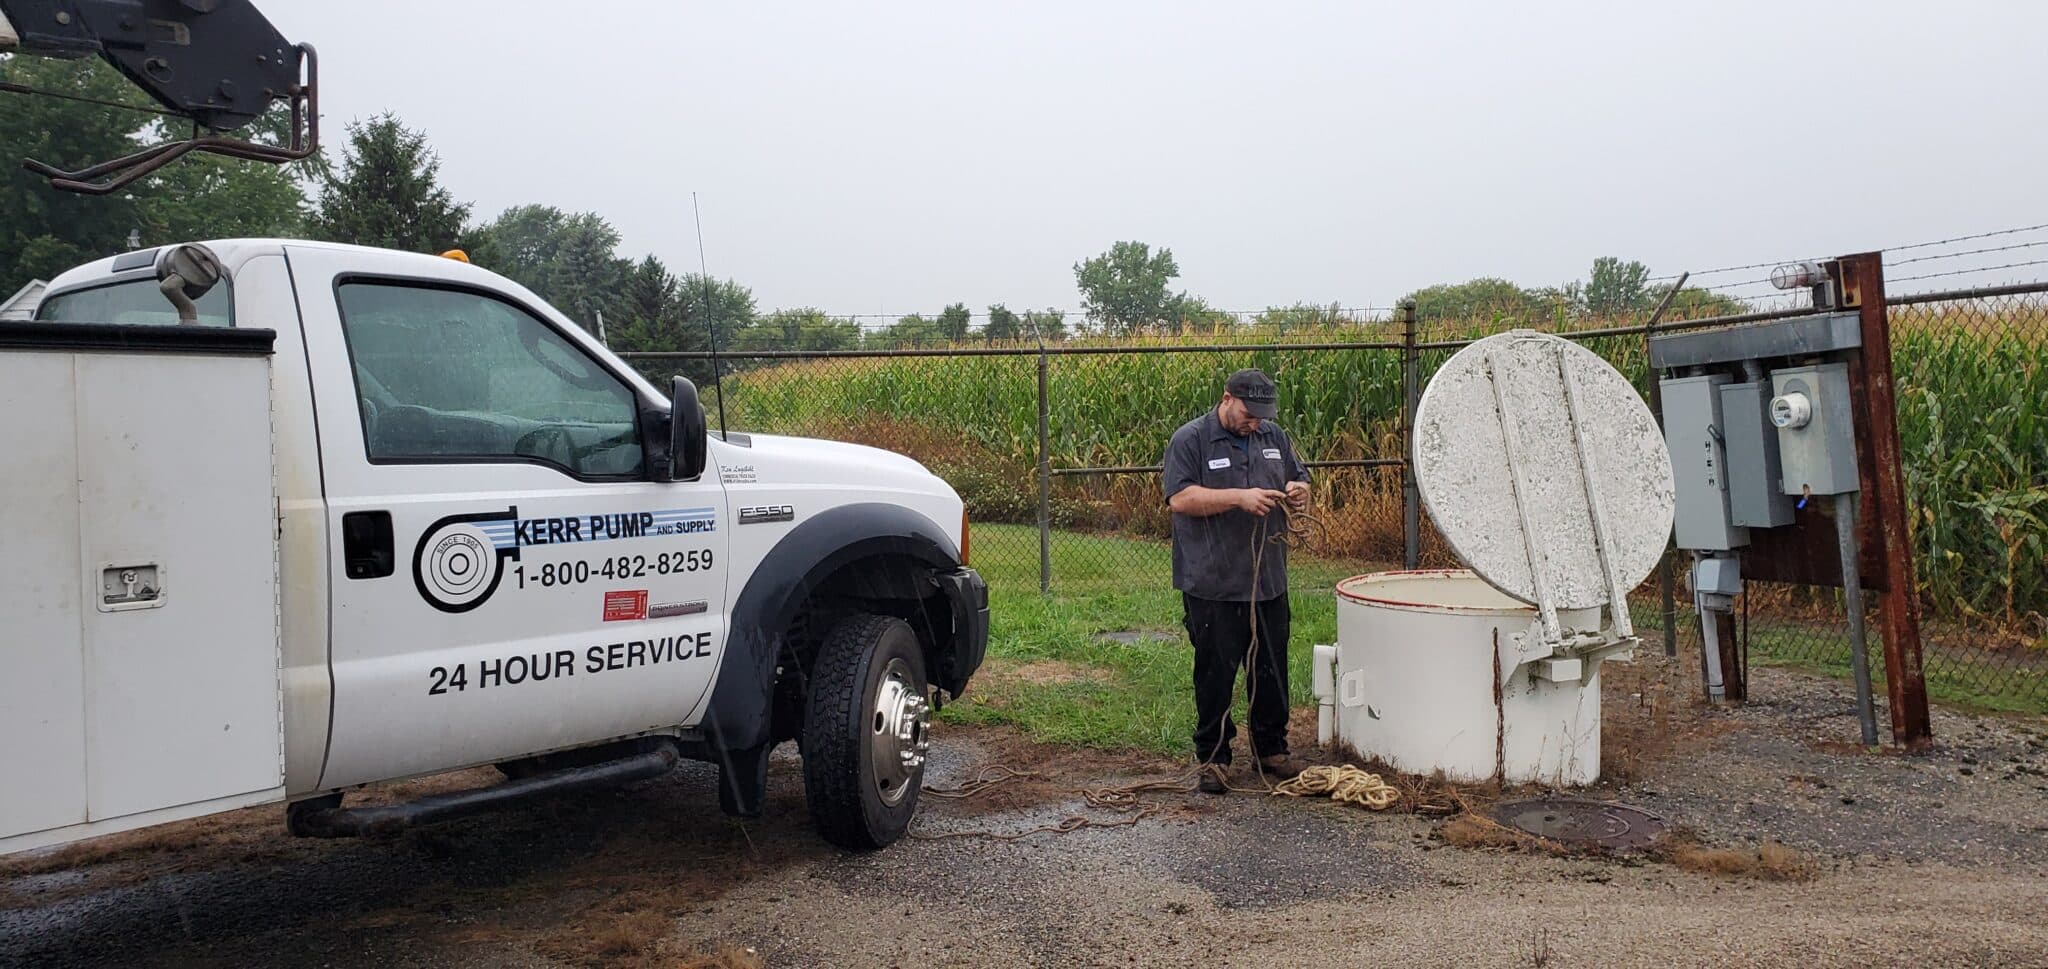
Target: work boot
x=1281 y=767
x=1213 y=779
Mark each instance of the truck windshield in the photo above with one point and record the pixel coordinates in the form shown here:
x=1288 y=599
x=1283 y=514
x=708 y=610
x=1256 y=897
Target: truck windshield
x=136 y=301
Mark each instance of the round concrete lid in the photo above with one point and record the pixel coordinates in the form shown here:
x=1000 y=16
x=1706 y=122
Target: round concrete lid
x=1511 y=479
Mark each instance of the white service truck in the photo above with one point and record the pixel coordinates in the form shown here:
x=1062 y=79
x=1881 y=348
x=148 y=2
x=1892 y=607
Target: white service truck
x=281 y=519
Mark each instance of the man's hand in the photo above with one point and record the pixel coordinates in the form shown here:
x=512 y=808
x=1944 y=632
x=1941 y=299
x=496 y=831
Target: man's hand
x=1297 y=495
x=1258 y=501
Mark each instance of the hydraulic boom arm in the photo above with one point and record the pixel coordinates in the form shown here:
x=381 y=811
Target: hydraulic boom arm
x=219 y=63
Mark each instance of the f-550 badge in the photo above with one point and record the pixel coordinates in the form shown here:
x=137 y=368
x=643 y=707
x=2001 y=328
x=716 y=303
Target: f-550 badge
x=461 y=558
x=763 y=514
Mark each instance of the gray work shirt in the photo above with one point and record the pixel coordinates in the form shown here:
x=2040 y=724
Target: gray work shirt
x=1212 y=555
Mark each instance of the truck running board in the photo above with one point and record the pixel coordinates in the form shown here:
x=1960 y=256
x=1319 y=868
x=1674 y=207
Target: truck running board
x=326 y=818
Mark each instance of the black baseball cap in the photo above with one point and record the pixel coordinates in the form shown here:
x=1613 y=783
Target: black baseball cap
x=1256 y=390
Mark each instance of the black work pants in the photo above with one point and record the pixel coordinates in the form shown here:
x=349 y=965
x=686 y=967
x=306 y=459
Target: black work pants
x=1222 y=636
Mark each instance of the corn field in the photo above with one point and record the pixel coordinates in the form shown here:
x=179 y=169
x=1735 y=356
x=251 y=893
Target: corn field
x=1972 y=390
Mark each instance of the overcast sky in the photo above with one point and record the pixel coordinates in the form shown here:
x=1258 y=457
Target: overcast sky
x=890 y=158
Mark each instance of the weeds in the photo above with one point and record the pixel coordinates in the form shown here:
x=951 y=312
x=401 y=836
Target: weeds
x=1770 y=861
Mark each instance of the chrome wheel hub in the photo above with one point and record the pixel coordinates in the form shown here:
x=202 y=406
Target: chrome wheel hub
x=899 y=732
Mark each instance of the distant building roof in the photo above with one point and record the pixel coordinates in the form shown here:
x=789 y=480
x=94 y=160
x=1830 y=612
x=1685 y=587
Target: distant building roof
x=22 y=305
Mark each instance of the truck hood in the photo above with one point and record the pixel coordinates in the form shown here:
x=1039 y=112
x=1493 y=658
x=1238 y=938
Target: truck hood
x=780 y=460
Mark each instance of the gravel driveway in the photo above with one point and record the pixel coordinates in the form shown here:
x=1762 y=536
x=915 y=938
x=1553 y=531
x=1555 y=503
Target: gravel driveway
x=1929 y=861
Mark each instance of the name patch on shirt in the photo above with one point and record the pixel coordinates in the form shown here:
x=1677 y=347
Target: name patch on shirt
x=1272 y=454
x=1217 y=464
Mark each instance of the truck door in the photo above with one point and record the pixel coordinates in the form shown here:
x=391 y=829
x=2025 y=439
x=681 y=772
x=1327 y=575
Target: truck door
x=506 y=578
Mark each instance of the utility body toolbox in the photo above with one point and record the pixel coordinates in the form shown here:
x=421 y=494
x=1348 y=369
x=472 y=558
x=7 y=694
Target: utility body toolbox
x=138 y=578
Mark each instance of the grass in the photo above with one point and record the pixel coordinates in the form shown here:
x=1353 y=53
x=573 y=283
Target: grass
x=1986 y=681
x=1143 y=698
x=1139 y=696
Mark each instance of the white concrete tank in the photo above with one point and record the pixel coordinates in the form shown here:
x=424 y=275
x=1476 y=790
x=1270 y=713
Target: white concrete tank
x=1433 y=671
x=1547 y=475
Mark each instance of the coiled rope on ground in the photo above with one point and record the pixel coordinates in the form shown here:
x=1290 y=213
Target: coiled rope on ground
x=1344 y=783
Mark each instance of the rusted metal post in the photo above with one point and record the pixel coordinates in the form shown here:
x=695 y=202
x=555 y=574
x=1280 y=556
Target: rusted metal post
x=1411 y=498
x=1883 y=501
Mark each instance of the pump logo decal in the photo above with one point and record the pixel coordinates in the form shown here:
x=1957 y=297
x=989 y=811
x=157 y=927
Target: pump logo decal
x=461 y=558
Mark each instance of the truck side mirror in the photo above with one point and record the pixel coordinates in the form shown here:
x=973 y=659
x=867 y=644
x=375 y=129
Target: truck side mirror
x=186 y=273
x=687 y=437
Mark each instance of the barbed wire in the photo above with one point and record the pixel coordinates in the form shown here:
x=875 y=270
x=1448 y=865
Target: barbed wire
x=1917 y=245
x=1969 y=252
x=1732 y=291
x=1964 y=272
x=1980 y=235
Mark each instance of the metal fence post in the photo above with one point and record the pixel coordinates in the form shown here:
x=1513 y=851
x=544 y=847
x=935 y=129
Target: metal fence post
x=1666 y=583
x=1666 y=593
x=1883 y=485
x=1411 y=499
x=1044 y=479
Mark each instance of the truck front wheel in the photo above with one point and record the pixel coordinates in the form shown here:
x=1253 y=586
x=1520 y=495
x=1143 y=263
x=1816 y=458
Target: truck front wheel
x=867 y=728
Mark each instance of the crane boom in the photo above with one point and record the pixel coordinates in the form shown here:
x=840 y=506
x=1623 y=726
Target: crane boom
x=219 y=63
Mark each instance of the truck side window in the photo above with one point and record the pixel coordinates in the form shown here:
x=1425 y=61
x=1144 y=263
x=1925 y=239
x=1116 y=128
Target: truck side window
x=135 y=301
x=449 y=376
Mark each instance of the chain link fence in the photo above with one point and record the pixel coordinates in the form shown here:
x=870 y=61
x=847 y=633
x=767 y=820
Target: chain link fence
x=1056 y=448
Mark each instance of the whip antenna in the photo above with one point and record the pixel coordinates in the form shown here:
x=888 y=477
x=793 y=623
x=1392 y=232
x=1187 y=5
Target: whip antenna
x=710 y=323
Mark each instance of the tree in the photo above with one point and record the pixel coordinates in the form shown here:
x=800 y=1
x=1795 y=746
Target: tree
x=1301 y=316
x=44 y=231
x=909 y=331
x=804 y=328
x=1694 y=303
x=1192 y=314
x=569 y=259
x=1124 y=289
x=1616 y=288
x=663 y=312
x=1003 y=325
x=722 y=306
x=1049 y=325
x=210 y=197
x=1483 y=298
x=651 y=296
x=386 y=193
x=953 y=322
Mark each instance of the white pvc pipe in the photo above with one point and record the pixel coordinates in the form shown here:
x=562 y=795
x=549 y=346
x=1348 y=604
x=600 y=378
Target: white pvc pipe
x=1323 y=677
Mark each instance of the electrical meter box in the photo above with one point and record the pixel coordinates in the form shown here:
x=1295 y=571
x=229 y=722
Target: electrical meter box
x=1750 y=443
x=1699 y=462
x=1810 y=407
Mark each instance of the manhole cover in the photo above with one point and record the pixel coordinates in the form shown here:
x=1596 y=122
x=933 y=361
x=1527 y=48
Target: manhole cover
x=1599 y=824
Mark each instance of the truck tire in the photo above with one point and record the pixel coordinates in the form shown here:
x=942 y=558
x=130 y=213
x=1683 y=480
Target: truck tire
x=867 y=728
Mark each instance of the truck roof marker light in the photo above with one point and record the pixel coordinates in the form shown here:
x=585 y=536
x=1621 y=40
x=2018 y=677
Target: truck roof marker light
x=456 y=254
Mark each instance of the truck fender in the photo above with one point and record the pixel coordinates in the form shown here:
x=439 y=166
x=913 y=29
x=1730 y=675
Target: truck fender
x=741 y=705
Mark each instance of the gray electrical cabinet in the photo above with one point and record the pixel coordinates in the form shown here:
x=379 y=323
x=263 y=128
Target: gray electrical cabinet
x=1693 y=433
x=1755 y=497
x=1816 y=439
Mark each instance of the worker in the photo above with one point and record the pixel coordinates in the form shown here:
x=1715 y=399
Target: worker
x=1231 y=479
